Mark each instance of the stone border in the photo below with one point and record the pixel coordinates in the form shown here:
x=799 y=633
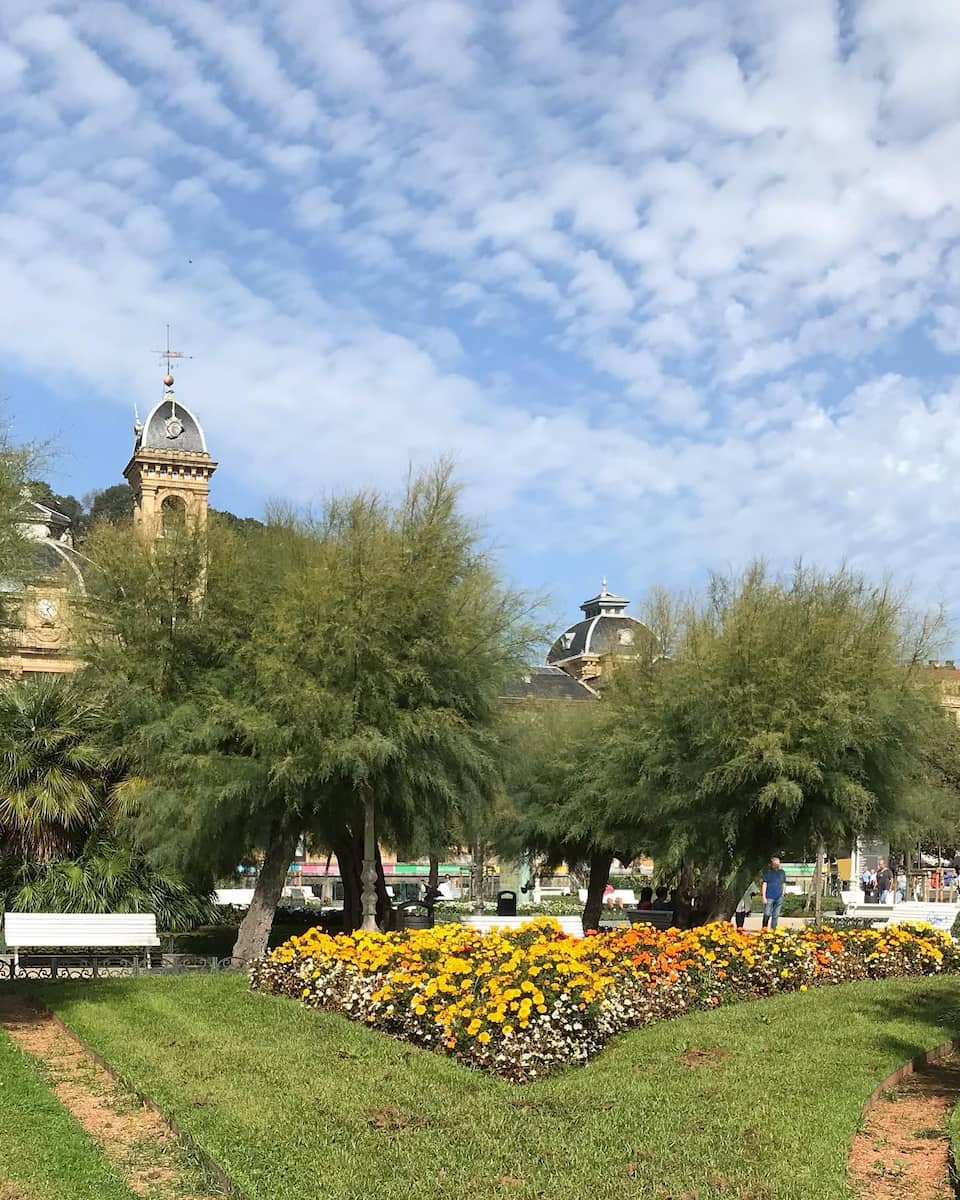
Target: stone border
x=917 y=1063
x=209 y=1165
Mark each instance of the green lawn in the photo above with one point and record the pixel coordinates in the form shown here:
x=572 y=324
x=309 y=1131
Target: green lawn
x=296 y=1104
x=44 y=1154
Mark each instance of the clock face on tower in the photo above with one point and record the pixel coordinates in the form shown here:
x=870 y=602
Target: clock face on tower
x=174 y=427
x=47 y=609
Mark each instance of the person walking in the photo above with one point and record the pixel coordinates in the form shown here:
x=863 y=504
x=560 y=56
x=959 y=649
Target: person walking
x=744 y=906
x=772 y=883
x=901 y=884
x=884 y=881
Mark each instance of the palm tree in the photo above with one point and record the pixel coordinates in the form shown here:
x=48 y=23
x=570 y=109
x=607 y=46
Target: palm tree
x=63 y=792
x=56 y=781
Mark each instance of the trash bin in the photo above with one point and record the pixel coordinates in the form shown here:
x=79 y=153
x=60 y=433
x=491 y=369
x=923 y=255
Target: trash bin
x=414 y=914
x=506 y=904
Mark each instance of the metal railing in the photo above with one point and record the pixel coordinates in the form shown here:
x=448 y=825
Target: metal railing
x=108 y=966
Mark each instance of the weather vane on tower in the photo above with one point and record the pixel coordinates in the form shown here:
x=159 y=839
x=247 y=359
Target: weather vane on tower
x=171 y=356
x=173 y=424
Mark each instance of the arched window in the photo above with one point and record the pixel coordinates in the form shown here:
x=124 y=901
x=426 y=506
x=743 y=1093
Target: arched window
x=173 y=513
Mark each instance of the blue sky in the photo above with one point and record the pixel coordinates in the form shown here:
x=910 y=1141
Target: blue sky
x=674 y=283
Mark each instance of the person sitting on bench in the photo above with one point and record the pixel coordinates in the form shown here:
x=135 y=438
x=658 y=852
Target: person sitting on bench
x=662 y=903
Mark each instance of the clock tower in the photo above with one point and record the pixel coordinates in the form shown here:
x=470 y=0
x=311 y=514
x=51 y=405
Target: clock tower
x=171 y=468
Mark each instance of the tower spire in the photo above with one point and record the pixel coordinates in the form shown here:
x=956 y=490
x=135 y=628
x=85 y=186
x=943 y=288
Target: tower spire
x=170 y=469
x=171 y=356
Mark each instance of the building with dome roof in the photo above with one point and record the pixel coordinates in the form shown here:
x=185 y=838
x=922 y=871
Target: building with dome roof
x=41 y=643
x=170 y=469
x=169 y=473
x=607 y=633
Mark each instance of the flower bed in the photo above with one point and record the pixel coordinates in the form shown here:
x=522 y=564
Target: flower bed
x=525 y=1000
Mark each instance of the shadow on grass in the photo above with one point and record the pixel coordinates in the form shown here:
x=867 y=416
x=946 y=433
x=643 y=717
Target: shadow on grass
x=932 y=1006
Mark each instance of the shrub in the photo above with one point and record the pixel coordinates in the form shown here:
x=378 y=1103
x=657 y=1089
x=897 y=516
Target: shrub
x=524 y=1000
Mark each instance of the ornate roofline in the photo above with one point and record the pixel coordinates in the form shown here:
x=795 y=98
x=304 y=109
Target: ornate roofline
x=168 y=397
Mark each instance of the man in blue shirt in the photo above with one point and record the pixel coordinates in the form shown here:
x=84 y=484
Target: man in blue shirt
x=772 y=883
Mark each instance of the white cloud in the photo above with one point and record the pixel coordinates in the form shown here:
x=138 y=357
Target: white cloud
x=315 y=208
x=680 y=277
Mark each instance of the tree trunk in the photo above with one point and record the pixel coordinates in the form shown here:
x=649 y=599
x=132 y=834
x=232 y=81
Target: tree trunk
x=818 y=887
x=683 y=898
x=348 y=848
x=599 y=878
x=433 y=875
x=350 y=862
x=385 y=909
x=254 y=931
x=723 y=900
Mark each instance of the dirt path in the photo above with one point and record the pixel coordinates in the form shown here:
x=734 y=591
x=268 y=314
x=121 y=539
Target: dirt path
x=134 y=1138
x=902 y=1152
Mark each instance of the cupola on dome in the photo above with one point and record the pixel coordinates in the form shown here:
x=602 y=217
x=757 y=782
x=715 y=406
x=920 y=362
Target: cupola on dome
x=605 y=631
x=170 y=426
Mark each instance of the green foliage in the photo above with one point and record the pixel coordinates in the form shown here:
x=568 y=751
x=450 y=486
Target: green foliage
x=264 y=681
x=16 y=463
x=114 y=504
x=63 y=799
x=793 y=712
x=235 y=523
x=560 y=810
x=56 y=781
x=104 y=877
x=43 y=493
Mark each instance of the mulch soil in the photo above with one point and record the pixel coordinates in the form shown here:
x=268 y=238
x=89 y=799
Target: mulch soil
x=902 y=1153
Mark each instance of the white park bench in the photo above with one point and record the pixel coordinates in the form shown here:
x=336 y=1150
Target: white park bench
x=53 y=932
x=619 y=897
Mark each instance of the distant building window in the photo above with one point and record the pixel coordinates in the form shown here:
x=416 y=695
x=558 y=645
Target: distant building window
x=566 y=641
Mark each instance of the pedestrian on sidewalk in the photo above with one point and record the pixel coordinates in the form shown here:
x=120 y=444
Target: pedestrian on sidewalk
x=772 y=884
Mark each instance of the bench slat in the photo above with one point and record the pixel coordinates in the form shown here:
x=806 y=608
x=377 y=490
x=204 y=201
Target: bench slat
x=66 y=930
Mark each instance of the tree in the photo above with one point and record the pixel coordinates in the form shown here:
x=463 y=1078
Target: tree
x=237 y=524
x=385 y=658
x=294 y=677
x=114 y=504
x=63 y=796
x=559 y=807
x=16 y=463
x=792 y=714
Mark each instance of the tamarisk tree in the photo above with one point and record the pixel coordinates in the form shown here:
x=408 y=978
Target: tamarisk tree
x=335 y=675
x=792 y=713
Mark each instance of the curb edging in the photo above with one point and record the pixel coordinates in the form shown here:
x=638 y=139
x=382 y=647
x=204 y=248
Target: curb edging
x=209 y=1165
x=915 y=1064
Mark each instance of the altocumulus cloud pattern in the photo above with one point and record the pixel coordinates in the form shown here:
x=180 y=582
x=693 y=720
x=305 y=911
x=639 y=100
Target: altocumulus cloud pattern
x=674 y=282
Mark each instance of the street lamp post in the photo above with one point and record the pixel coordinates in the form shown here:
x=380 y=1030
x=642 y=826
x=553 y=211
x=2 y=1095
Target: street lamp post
x=368 y=876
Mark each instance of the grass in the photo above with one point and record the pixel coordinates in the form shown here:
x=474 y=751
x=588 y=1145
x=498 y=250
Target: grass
x=761 y=1097
x=44 y=1154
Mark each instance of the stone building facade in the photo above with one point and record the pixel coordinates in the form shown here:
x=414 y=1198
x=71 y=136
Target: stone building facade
x=170 y=469
x=169 y=472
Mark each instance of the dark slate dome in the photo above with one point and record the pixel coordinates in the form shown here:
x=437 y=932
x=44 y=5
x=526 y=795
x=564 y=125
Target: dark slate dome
x=170 y=426
x=605 y=630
